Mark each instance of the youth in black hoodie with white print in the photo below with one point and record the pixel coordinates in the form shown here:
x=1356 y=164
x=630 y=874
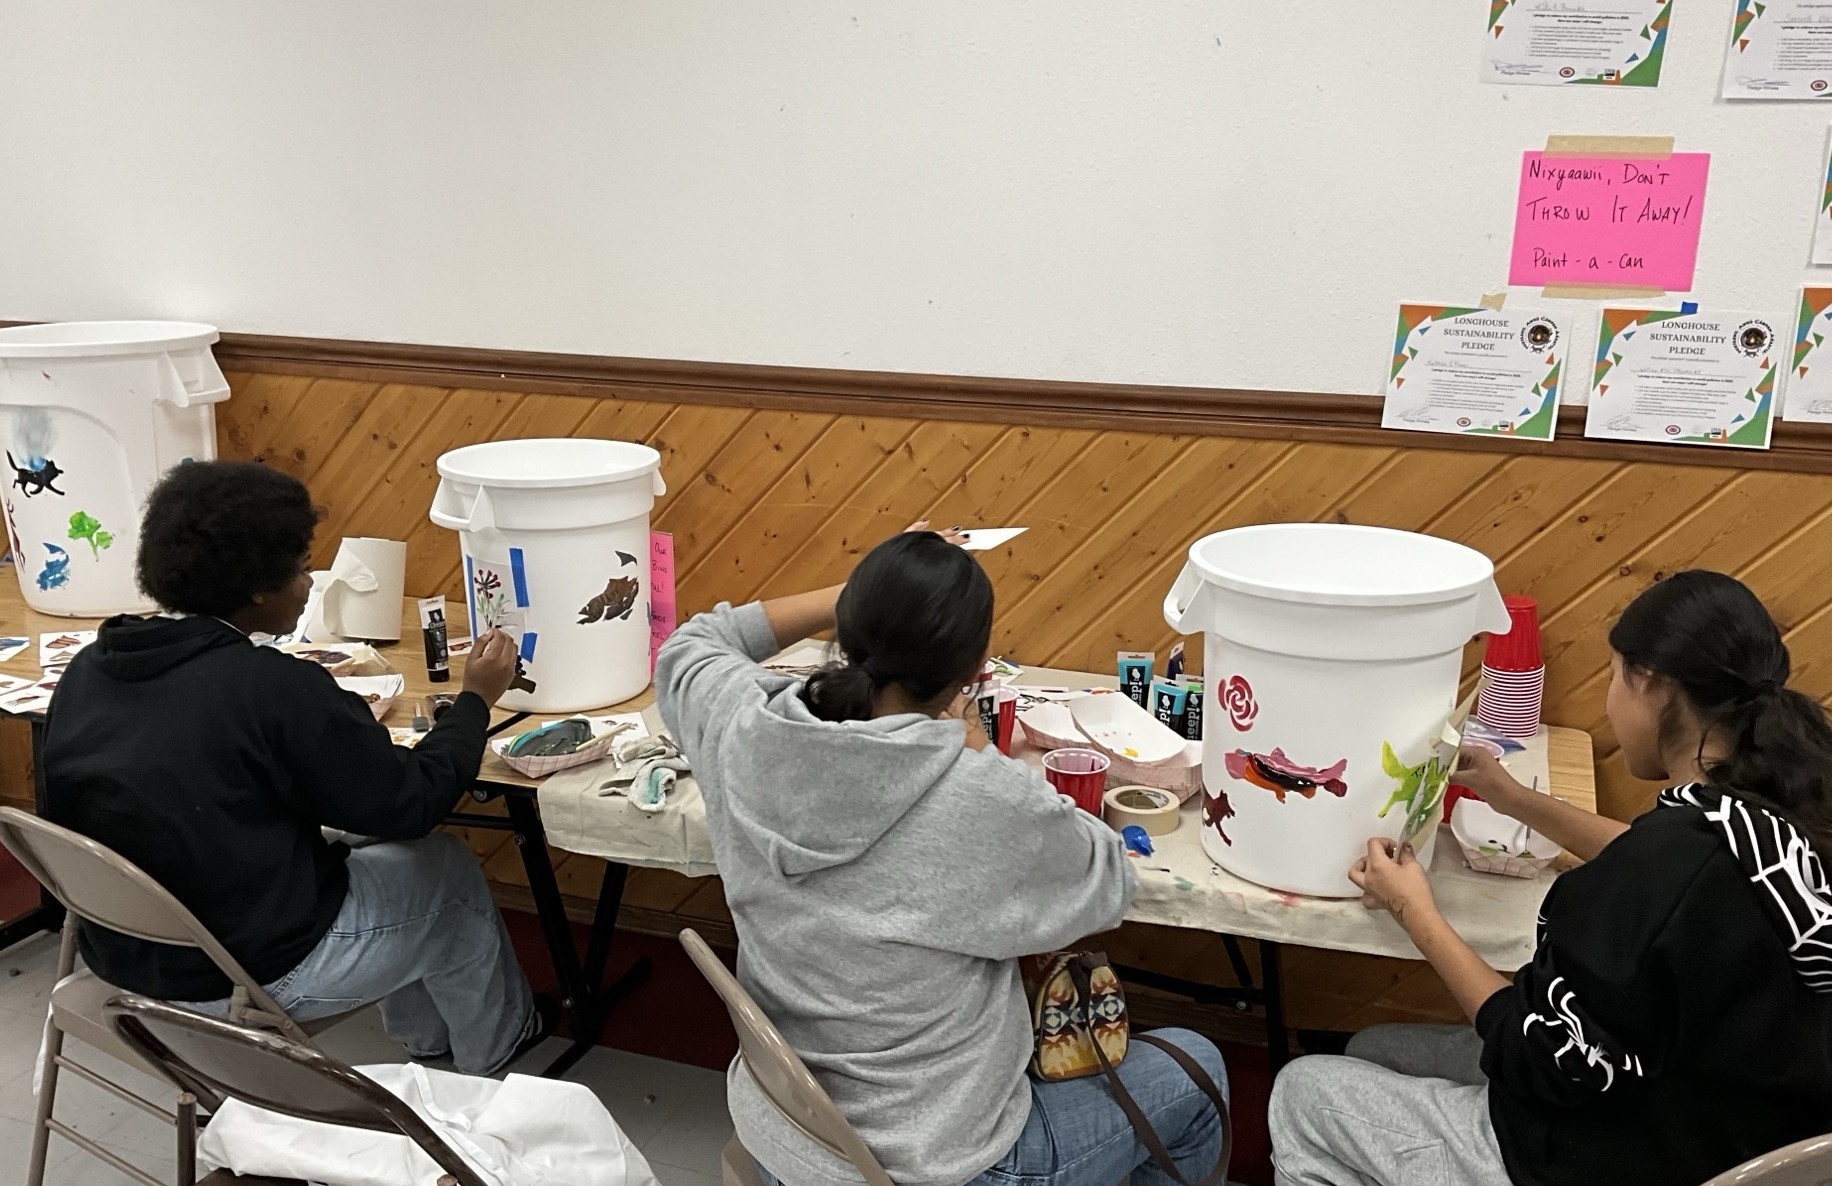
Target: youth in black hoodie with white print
x=1676 y=1019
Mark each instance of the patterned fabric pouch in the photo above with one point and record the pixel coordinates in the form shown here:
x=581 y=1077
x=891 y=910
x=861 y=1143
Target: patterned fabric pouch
x=1079 y=1028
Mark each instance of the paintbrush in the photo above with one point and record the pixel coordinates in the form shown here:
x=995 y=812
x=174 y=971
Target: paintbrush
x=420 y=723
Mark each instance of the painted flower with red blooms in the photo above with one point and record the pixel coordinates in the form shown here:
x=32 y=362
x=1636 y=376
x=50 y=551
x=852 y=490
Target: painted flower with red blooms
x=1237 y=700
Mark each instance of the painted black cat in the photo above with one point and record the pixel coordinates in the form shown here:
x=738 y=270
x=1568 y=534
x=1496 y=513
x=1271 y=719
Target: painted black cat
x=35 y=481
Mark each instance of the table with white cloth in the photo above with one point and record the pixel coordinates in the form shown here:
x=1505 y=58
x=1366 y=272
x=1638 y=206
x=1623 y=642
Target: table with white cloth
x=1179 y=886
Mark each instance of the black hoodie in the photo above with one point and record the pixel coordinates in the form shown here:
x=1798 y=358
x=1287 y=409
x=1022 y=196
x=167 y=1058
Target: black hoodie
x=1676 y=1019
x=212 y=763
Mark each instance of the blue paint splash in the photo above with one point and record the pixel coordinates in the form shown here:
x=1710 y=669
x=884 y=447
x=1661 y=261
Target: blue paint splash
x=56 y=572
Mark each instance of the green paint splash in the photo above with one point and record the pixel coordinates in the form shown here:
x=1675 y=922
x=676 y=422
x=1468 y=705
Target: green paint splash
x=86 y=527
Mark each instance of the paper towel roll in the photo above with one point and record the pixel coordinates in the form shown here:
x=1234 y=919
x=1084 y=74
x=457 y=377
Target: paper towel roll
x=362 y=598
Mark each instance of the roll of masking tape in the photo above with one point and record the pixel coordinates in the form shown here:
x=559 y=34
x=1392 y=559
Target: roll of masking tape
x=1148 y=807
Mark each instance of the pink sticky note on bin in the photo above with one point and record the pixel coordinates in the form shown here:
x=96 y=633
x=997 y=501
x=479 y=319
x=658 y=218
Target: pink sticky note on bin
x=661 y=591
x=1609 y=220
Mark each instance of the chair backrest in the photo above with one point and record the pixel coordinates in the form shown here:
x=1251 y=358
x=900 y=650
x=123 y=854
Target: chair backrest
x=779 y=1072
x=218 y=1060
x=98 y=884
x=1804 y=1163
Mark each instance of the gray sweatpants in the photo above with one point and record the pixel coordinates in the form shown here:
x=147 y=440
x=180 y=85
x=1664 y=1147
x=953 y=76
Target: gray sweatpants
x=1408 y=1106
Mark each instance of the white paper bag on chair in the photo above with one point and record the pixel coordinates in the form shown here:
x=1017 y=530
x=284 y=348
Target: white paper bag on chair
x=520 y=1132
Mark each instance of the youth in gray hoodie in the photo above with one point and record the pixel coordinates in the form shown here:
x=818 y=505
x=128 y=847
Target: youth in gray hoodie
x=883 y=879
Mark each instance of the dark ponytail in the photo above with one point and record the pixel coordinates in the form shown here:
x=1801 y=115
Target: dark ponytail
x=1709 y=635
x=916 y=613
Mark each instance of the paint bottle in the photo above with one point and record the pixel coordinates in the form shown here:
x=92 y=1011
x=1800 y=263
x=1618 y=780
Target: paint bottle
x=432 y=634
x=1192 y=708
x=1168 y=698
x=1173 y=667
x=1135 y=676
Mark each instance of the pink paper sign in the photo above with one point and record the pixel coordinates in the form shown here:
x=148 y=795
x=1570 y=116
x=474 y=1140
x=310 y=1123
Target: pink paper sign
x=661 y=591
x=1612 y=221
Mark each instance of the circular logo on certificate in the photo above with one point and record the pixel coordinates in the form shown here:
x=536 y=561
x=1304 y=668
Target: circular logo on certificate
x=1566 y=72
x=1539 y=335
x=1818 y=84
x=1754 y=338
x=1673 y=430
x=1462 y=421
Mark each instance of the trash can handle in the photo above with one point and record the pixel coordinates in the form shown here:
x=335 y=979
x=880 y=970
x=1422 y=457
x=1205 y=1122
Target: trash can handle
x=1182 y=593
x=478 y=517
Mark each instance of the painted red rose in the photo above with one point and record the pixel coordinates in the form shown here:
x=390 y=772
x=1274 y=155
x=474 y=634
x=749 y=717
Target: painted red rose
x=1237 y=700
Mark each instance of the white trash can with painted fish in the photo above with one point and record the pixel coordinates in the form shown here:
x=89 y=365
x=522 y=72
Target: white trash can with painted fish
x=1331 y=657
x=554 y=536
x=92 y=413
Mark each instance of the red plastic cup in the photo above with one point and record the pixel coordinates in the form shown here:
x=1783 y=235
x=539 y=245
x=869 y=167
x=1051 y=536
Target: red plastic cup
x=1007 y=718
x=1081 y=774
x=1518 y=649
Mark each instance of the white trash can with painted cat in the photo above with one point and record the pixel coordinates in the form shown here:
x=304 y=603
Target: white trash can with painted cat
x=555 y=542
x=1331 y=657
x=92 y=413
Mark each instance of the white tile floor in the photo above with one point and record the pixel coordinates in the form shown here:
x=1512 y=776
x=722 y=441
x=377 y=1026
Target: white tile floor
x=674 y=1113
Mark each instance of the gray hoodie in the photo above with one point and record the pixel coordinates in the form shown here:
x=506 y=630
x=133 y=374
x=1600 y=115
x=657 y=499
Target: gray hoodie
x=883 y=880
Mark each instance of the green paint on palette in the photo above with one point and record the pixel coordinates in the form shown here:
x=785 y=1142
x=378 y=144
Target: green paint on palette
x=1184 y=883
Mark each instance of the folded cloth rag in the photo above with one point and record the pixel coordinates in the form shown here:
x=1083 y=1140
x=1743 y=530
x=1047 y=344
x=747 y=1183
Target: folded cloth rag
x=646 y=770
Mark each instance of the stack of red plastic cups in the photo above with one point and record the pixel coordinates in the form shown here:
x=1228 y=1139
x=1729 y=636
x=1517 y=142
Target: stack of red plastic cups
x=1513 y=675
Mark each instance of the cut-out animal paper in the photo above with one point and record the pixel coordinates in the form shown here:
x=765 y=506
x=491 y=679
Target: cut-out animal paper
x=35 y=479
x=1421 y=789
x=1216 y=810
x=1279 y=774
x=56 y=572
x=617 y=600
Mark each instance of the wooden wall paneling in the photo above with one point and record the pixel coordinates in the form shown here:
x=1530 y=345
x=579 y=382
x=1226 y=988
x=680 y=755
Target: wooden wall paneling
x=903 y=488
x=840 y=462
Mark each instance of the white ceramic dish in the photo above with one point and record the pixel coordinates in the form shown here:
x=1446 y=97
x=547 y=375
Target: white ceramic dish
x=381 y=691
x=1121 y=729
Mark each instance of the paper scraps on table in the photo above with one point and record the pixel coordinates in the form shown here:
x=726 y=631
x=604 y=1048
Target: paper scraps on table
x=799 y=661
x=24 y=699
x=59 y=647
x=11 y=645
x=984 y=539
x=460 y=646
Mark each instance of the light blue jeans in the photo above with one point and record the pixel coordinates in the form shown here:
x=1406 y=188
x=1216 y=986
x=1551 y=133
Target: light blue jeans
x=1077 y=1135
x=420 y=933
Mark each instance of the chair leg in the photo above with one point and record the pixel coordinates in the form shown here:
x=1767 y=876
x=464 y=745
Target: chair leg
x=187 y=1139
x=47 y=1065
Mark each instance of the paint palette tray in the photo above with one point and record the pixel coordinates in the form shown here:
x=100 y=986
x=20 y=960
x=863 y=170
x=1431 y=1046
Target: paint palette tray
x=605 y=730
x=381 y=691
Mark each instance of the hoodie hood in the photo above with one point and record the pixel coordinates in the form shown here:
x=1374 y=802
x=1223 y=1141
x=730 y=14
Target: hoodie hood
x=1787 y=874
x=133 y=649
x=812 y=794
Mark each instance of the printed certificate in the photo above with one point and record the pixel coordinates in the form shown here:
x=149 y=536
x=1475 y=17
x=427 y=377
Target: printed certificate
x=1780 y=49
x=1566 y=42
x=1809 y=383
x=1693 y=378
x=1475 y=371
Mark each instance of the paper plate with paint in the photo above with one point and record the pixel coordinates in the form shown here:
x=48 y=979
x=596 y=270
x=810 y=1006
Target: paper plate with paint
x=1051 y=726
x=380 y=691
x=1118 y=726
x=1495 y=843
x=562 y=744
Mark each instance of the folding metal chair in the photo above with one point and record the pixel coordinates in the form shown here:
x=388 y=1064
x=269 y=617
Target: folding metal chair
x=98 y=884
x=213 y=1061
x=781 y=1075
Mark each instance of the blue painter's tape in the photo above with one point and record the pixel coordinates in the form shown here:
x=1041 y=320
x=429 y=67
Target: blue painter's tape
x=1688 y=308
x=518 y=577
x=528 y=638
x=470 y=594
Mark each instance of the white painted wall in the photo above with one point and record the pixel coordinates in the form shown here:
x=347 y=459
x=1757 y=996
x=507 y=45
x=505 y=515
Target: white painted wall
x=1218 y=193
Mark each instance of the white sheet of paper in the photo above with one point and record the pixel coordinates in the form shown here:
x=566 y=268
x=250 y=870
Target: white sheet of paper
x=984 y=539
x=1704 y=378
x=1476 y=372
x=11 y=645
x=57 y=648
x=1606 y=42
x=1780 y=49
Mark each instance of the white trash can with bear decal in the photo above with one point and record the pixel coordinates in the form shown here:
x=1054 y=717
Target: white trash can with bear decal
x=1331 y=657
x=555 y=540
x=92 y=413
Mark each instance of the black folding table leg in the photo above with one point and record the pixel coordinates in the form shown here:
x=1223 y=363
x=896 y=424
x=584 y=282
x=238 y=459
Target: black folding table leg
x=1272 y=985
x=604 y=926
x=550 y=908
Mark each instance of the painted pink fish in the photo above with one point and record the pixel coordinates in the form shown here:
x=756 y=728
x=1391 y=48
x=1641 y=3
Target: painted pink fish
x=1279 y=774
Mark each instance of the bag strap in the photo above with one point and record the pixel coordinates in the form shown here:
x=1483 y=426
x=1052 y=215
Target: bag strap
x=1079 y=968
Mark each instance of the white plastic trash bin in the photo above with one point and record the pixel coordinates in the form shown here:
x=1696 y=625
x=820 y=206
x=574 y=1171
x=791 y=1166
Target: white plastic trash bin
x=555 y=539
x=91 y=414
x=1323 y=643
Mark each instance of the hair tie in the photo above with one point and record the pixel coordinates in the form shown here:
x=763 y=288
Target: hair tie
x=1759 y=690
